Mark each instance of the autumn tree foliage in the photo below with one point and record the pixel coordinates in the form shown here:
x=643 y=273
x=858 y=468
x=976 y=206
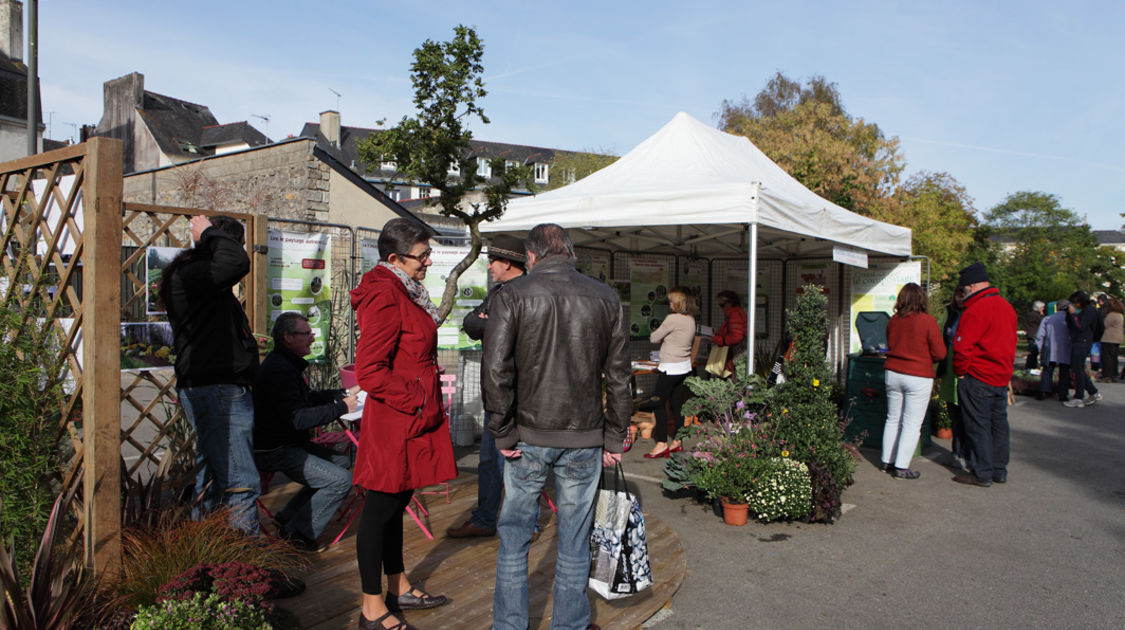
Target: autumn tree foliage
x=806 y=131
x=568 y=167
x=941 y=217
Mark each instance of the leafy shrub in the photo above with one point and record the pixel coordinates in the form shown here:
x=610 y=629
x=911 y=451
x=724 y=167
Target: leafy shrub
x=201 y=612
x=825 y=494
x=230 y=580
x=782 y=490
x=58 y=587
x=30 y=431
x=801 y=410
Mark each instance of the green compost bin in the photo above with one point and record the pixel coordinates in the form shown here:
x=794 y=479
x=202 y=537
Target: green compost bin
x=866 y=402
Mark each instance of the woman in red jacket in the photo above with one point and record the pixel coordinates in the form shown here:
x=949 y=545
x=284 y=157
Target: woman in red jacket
x=404 y=443
x=733 y=331
x=914 y=344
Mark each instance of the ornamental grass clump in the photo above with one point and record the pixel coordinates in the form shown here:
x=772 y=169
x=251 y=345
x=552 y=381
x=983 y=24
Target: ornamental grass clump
x=782 y=490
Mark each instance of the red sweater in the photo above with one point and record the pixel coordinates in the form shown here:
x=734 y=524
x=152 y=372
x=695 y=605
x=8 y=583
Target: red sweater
x=985 y=347
x=914 y=344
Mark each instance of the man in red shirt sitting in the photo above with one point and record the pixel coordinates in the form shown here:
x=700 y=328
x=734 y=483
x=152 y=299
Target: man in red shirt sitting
x=984 y=355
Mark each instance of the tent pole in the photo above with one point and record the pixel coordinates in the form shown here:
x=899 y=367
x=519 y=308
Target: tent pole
x=752 y=280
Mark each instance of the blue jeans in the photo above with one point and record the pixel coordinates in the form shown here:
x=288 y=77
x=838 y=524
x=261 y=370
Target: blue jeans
x=985 y=410
x=577 y=471
x=908 y=397
x=223 y=417
x=490 y=481
x=326 y=480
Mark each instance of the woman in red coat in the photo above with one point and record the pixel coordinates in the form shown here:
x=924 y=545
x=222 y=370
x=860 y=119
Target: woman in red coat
x=733 y=331
x=404 y=443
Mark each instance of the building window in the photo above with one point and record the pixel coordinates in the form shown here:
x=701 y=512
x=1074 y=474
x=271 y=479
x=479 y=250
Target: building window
x=424 y=193
x=484 y=169
x=540 y=173
x=394 y=194
x=510 y=165
x=388 y=166
x=454 y=168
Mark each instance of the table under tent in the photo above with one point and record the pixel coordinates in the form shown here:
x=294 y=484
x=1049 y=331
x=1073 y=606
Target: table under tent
x=693 y=195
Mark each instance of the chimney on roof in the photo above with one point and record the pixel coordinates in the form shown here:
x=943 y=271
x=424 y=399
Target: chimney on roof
x=11 y=29
x=330 y=127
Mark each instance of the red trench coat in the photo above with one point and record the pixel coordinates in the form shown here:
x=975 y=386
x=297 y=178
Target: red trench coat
x=404 y=440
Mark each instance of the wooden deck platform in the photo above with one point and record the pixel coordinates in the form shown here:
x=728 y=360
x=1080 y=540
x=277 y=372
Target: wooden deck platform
x=464 y=570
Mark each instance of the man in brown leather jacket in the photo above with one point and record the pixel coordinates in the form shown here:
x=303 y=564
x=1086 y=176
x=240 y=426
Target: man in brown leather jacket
x=552 y=337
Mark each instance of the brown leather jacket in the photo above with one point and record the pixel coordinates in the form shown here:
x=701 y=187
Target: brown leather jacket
x=551 y=337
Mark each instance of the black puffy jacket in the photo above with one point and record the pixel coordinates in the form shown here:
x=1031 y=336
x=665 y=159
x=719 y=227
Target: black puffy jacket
x=212 y=336
x=550 y=338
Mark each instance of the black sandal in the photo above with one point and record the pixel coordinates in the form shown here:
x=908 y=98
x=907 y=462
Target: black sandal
x=367 y=624
x=410 y=601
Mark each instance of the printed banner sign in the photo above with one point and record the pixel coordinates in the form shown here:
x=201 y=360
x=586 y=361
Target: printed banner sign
x=300 y=281
x=649 y=281
x=876 y=289
x=472 y=286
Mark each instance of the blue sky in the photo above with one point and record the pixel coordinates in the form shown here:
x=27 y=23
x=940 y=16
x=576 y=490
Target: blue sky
x=1003 y=95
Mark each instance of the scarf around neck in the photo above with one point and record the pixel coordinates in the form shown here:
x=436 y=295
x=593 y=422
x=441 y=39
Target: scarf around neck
x=414 y=289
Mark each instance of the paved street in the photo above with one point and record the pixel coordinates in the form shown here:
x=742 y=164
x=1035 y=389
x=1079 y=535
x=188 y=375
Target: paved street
x=1045 y=550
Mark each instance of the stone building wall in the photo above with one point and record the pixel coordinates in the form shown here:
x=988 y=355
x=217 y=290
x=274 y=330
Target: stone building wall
x=281 y=180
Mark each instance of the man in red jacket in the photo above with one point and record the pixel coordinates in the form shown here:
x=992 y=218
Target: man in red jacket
x=984 y=355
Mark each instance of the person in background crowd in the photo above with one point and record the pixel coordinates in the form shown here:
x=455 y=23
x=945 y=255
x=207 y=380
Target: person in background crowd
x=506 y=261
x=285 y=410
x=217 y=360
x=984 y=355
x=958 y=449
x=1082 y=321
x=733 y=331
x=555 y=375
x=1053 y=339
x=675 y=336
x=914 y=344
x=1033 y=320
x=404 y=442
x=1111 y=339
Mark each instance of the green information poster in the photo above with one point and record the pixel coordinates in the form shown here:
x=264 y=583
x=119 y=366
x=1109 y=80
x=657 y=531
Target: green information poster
x=300 y=276
x=593 y=263
x=648 y=297
x=471 y=289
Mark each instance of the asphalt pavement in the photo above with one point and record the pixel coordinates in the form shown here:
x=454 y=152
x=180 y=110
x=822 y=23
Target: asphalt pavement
x=1045 y=550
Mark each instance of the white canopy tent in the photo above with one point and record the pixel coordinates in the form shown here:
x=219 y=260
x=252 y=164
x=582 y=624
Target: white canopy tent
x=692 y=189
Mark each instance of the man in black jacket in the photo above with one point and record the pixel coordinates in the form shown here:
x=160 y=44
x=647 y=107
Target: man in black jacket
x=552 y=338
x=506 y=260
x=285 y=409
x=216 y=360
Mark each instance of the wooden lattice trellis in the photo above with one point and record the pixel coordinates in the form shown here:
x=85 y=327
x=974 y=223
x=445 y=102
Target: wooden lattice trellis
x=152 y=425
x=70 y=252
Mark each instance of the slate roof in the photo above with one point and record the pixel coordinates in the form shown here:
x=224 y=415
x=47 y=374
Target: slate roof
x=348 y=154
x=176 y=125
x=13 y=89
x=232 y=133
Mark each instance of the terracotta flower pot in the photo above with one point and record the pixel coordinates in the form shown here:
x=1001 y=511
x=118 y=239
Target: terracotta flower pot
x=735 y=513
x=944 y=433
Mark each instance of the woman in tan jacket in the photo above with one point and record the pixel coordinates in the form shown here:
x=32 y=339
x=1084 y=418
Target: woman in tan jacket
x=675 y=337
x=1111 y=340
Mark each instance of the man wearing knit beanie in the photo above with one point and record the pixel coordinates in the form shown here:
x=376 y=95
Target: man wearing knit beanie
x=984 y=354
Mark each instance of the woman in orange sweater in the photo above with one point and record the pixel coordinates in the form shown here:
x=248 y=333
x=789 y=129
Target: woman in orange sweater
x=914 y=345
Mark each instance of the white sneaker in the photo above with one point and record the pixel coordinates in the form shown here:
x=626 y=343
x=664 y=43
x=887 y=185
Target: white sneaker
x=1074 y=402
x=1092 y=398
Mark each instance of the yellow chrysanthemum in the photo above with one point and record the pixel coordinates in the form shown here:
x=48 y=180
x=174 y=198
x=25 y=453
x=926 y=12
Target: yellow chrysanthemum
x=816 y=382
x=785 y=453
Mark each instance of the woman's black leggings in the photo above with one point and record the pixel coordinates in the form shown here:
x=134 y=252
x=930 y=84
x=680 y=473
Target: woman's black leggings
x=378 y=543
x=1109 y=360
x=669 y=398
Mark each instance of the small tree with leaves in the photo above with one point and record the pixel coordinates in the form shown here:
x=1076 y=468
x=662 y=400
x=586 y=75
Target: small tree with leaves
x=802 y=413
x=434 y=142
